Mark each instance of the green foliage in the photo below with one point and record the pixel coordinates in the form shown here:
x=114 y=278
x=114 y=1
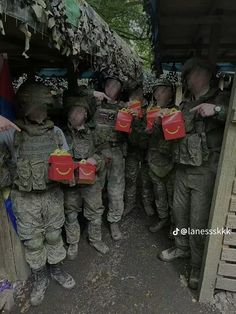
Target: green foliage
x=129 y=20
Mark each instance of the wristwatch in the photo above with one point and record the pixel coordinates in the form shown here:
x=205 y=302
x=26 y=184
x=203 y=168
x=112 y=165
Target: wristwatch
x=217 y=109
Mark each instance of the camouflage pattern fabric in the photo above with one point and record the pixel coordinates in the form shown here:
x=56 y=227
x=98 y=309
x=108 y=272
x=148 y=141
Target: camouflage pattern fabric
x=40 y=216
x=90 y=37
x=134 y=164
x=114 y=173
x=194 y=183
x=88 y=198
x=191 y=207
x=83 y=197
x=5 y=177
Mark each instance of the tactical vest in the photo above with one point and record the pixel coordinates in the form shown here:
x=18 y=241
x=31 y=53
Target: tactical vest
x=33 y=145
x=5 y=177
x=201 y=134
x=81 y=143
x=105 y=119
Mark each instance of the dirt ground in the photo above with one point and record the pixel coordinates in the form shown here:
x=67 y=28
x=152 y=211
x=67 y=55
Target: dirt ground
x=129 y=279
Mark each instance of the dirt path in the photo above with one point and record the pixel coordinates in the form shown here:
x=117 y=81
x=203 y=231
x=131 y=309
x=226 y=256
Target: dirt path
x=130 y=279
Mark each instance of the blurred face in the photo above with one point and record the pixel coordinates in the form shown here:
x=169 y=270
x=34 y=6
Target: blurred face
x=163 y=95
x=198 y=80
x=137 y=95
x=113 y=88
x=77 y=117
x=37 y=114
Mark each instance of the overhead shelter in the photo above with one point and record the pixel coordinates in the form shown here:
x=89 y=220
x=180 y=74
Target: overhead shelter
x=179 y=30
x=55 y=31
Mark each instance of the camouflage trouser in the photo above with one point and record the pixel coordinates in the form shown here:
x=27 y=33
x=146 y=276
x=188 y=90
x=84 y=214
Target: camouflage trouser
x=135 y=162
x=88 y=197
x=40 y=216
x=192 y=202
x=163 y=189
x=114 y=172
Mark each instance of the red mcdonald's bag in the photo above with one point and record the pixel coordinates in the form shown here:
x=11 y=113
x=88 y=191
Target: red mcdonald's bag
x=85 y=173
x=123 y=121
x=151 y=116
x=173 y=125
x=135 y=105
x=61 y=166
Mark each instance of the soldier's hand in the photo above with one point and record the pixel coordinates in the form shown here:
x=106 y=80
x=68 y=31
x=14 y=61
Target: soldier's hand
x=6 y=124
x=204 y=109
x=101 y=96
x=92 y=161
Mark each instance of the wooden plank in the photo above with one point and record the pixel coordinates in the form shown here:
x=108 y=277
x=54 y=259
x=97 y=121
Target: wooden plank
x=228 y=254
x=219 y=207
x=231 y=221
x=7 y=265
x=234 y=186
x=226 y=284
x=232 y=206
x=227 y=269
x=230 y=239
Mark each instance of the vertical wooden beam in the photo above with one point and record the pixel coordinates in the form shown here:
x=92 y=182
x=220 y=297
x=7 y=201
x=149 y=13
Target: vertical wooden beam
x=220 y=205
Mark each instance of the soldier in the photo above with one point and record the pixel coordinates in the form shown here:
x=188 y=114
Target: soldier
x=112 y=145
x=38 y=203
x=136 y=160
x=197 y=157
x=80 y=137
x=161 y=166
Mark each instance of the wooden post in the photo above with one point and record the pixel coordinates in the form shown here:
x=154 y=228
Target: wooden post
x=12 y=261
x=220 y=205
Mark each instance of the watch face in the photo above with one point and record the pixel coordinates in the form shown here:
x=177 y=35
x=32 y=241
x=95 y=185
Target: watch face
x=217 y=108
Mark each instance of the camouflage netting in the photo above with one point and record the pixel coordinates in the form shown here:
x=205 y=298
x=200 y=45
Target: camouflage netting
x=77 y=31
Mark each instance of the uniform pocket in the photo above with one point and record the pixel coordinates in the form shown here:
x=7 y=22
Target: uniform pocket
x=23 y=179
x=39 y=178
x=195 y=149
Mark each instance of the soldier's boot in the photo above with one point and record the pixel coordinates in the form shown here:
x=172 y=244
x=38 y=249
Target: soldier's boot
x=149 y=210
x=62 y=277
x=40 y=284
x=95 y=238
x=194 y=278
x=172 y=254
x=159 y=225
x=72 y=251
x=115 y=231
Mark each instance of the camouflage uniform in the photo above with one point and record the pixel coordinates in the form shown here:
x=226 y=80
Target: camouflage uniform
x=38 y=204
x=197 y=157
x=82 y=146
x=112 y=145
x=136 y=160
x=161 y=171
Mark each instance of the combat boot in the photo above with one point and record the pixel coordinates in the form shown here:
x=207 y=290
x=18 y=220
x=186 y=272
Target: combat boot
x=62 y=277
x=115 y=231
x=149 y=210
x=40 y=284
x=172 y=254
x=194 y=278
x=159 y=225
x=95 y=238
x=72 y=251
